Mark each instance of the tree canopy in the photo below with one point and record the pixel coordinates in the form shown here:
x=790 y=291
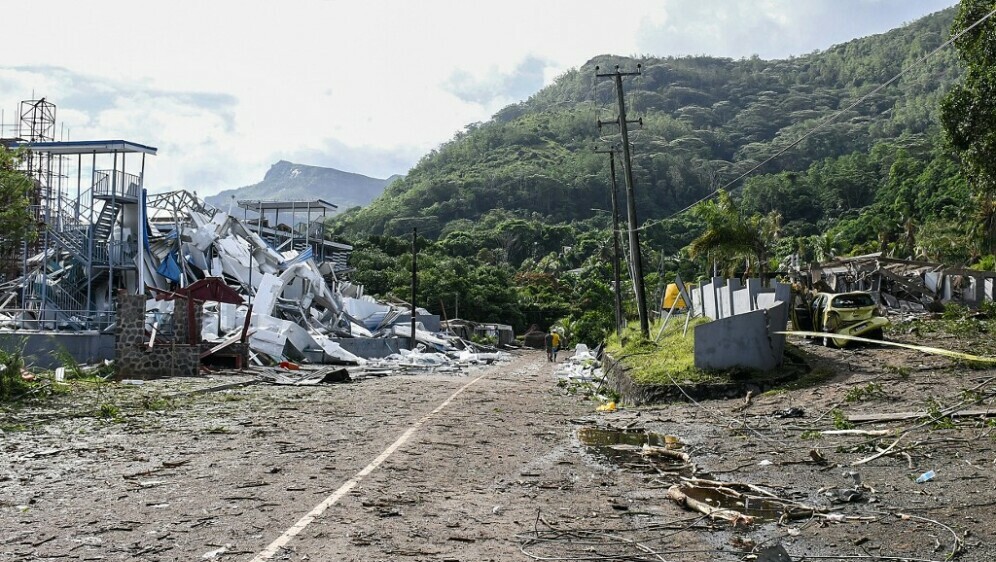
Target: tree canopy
x=969 y=110
x=516 y=203
x=16 y=221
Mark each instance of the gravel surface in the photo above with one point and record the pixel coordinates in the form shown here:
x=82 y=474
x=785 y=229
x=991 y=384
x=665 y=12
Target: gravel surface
x=158 y=472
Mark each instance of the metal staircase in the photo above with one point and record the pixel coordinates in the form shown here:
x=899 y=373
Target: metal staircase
x=104 y=224
x=78 y=229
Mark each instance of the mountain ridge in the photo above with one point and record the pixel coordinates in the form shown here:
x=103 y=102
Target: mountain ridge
x=286 y=180
x=706 y=120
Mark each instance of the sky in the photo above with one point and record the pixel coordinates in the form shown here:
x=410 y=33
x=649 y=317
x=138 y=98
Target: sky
x=226 y=88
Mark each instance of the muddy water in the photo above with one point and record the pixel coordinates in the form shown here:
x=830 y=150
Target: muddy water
x=624 y=448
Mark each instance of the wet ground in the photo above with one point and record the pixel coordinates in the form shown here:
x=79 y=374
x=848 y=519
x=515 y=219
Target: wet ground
x=510 y=468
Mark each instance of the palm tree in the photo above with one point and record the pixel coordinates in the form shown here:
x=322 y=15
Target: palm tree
x=729 y=237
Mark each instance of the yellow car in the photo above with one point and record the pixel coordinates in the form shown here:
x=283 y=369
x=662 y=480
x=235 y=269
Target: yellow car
x=848 y=314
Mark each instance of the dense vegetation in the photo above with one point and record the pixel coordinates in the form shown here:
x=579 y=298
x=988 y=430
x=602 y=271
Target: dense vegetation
x=510 y=209
x=17 y=221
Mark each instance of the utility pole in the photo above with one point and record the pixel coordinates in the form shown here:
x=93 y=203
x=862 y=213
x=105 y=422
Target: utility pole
x=615 y=237
x=414 y=282
x=634 y=234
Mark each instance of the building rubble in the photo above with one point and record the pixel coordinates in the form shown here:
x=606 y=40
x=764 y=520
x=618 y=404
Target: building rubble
x=295 y=309
x=267 y=288
x=299 y=309
x=903 y=285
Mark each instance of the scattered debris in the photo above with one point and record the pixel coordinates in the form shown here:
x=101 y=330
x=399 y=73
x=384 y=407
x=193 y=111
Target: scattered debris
x=904 y=285
x=925 y=477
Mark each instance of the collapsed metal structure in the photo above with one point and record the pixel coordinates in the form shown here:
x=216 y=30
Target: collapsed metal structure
x=102 y=237
x=905 y=284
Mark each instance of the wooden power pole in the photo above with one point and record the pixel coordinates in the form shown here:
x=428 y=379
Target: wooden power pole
x=634 y=234
x=615 y=238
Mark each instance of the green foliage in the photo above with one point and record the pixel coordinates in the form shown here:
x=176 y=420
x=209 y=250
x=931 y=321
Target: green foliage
x=959 y=320
x=157 y=403
x=109 y=411
x=483 y=340
x=731 y=237
x=16 y=221
x=671 y=359
x=969 y=113
x=840 y=420
x=901 y=370
x=969 y=109
x=936 y=418
x=507 y=211
x=12 y=385
x=73 y=370
x=217 y=430
x=706 y=120
x=868 y=392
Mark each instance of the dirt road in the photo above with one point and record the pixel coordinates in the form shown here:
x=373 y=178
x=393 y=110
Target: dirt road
x=479 y=466
x=225 y=474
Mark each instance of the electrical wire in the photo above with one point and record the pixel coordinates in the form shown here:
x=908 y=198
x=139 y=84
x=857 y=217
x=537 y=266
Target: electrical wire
x=824 y=123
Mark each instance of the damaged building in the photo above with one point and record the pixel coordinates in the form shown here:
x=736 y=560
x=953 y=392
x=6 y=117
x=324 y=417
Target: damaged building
x=907 y=285
x=260 y=281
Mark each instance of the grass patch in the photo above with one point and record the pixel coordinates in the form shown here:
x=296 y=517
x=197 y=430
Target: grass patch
x=840 y=420
x=870 y=391
x=12 y=385
x=109 y=411
x=673 y=356
x=217 y=430
x=157 y=403
x=12 y=427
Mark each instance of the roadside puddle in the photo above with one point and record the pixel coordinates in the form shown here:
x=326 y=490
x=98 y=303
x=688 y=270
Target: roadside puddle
x=606 y=437
x=626 y=448
x=755 y=507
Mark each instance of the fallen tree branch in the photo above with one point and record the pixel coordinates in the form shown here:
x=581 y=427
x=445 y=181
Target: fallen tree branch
x=675 y=494
x=872 y=432
x=880 y=453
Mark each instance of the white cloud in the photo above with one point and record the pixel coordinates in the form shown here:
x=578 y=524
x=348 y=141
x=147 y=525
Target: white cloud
x=225 y=88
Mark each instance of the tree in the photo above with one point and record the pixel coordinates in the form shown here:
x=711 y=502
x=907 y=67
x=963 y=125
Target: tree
x=17 y=224
x=968 y=112
x=730 y=236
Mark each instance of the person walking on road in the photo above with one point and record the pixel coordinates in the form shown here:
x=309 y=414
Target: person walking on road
x=554 y=344
x=548 y=341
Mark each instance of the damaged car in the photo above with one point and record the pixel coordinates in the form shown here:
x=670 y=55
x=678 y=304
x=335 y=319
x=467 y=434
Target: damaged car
x=847 y=314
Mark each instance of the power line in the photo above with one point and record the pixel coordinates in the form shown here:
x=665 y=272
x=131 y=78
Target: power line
x=825 y=122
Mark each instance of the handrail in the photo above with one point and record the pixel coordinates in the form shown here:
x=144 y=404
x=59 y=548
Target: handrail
x=122 y=184
x=71 y=321
x=54 y=294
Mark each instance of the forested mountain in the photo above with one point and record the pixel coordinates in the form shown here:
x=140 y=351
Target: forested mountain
x=522 y=193
x=705 y=121
x=286 y=180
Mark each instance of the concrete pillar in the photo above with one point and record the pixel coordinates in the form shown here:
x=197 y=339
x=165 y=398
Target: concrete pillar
x=131 y=319
x=755 y=286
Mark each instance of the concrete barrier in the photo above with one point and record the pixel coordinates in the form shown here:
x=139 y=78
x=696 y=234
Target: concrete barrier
x=40 y=346
x=744 y=321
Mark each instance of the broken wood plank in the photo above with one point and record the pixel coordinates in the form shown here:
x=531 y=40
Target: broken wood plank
x=913 y=289
x=225 y=343
x=869 y=432
x=903 y=416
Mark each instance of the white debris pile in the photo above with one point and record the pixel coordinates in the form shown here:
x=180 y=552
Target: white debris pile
x=425 y=361
x=278 y=286
x=295 y=314
x=582 y=367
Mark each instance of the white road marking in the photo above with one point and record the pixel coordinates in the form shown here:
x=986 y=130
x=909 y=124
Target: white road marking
x=328 y=502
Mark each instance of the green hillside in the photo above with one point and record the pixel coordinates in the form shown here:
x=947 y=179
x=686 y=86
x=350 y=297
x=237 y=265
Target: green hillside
x=705 y=121
x=518 y=199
